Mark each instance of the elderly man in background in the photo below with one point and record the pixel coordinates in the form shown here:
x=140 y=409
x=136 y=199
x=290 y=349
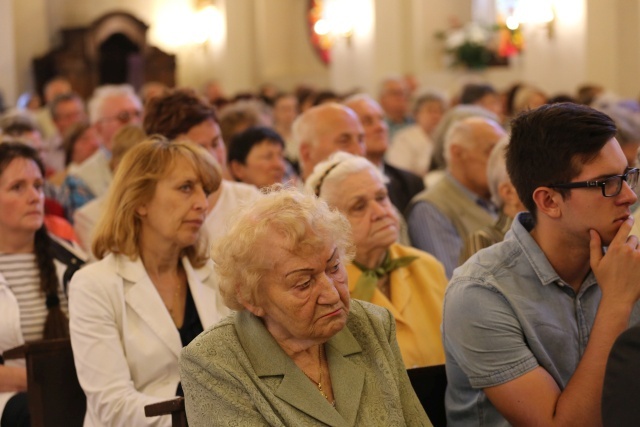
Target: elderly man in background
x=394 y=100
x=452 y=116
x=459 y=204
x=111 y=108
x=324 y=129
x=504 y=196
x=66 y=110
x=52 y=89
x=402 y=185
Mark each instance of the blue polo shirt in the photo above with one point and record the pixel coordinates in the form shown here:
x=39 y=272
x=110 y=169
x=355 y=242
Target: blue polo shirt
x=506 y=311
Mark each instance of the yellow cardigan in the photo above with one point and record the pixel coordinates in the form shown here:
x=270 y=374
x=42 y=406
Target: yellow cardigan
x=417 y=295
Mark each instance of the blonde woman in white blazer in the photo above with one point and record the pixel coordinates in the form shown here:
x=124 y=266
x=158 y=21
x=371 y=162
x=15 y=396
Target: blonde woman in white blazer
x=153 y=289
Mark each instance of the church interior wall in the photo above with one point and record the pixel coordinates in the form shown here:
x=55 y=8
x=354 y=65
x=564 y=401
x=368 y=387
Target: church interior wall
x=267 y=41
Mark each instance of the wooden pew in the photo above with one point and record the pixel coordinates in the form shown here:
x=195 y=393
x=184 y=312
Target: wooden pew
x=54 y=393
x=173 y=407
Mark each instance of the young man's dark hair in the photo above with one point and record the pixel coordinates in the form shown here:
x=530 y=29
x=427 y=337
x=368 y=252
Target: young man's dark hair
x=550 y=144
x=176 y=113
x=242 y=143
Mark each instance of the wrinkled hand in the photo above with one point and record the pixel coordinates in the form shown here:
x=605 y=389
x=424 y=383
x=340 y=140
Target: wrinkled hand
x=617 y=271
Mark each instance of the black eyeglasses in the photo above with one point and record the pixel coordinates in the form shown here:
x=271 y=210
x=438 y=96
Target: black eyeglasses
x=125 y=116
x=611 y=186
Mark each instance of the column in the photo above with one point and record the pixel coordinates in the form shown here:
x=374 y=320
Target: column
x=8 y=81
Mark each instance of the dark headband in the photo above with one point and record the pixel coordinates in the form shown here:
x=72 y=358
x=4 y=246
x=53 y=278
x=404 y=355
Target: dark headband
x=323 y=177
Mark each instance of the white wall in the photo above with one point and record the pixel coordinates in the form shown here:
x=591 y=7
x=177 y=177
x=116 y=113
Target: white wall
x=266 y=41
x=31 y=38
x=628 y=47
x=284 y=55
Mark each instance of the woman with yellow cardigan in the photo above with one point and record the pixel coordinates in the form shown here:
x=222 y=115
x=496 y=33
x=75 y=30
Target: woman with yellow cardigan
x=408 y=282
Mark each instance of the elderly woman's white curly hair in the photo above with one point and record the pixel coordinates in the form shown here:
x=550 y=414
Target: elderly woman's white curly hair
x=303 y=222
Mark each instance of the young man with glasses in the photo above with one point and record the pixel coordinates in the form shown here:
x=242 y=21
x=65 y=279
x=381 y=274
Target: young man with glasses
x=529 y=322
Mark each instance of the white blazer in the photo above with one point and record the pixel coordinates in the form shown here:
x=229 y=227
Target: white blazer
x=125 y=344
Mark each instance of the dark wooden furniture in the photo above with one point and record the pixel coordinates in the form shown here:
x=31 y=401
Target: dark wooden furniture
x=430 y=383
x=54 y=394
x=112 y=49
x=173 y=407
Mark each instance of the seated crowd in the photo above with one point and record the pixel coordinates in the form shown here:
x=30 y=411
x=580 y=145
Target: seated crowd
x=285 y=258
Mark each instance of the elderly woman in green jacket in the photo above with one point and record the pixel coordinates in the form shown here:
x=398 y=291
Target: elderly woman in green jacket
x=297 y=351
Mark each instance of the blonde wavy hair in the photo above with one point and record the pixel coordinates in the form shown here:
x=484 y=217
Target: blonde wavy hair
x=135 y=183
x=304 y=222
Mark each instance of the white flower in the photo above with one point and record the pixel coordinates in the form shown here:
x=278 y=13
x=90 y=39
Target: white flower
x=455 y=39
x=476 y=34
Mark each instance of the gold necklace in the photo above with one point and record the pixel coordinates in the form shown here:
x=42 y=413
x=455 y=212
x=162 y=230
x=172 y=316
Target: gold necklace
x=319 y=382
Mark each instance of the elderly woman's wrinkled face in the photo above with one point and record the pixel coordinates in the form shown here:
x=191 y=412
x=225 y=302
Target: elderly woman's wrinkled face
x=21 y=197
x=362 y=197
x=177 y=209
x=305 y=297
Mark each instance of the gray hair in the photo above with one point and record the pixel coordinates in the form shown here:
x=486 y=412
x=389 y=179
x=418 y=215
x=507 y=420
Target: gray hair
x=461 y=133
x=329 y=174
x=305 y=222
x=455 y=114
x=65 y=97
x=102 y=93
x=427 y=97
x=497 y=170
x=382 y=88
x=357 y=97
x=625 y=114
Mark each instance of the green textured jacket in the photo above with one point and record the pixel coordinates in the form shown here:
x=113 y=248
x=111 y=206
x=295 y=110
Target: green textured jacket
x=236 y=374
